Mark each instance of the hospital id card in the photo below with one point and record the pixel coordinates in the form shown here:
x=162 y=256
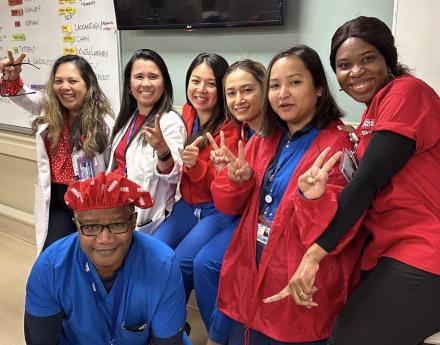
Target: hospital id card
x=263 y=233
x=348 y=164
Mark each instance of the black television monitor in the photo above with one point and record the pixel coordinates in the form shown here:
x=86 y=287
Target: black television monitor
x=189 y=14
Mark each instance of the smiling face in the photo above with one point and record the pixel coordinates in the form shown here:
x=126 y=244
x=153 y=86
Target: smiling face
x=146 y=84
x=202 y=90
x=244 y=96
x=69 y=87
x=361 y=69
x=106 y=250
x=292 y=93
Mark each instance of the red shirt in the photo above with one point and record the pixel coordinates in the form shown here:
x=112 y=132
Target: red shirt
x=119 y=155
x=61 y=166
x=196 y=181
x=404 y=218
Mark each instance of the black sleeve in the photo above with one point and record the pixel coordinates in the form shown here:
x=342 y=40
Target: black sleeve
x=174 y=340
x=43 y=330
x=385 y=155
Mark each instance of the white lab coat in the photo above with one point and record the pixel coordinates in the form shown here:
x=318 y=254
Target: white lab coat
x=141 y=164
x=33 y=103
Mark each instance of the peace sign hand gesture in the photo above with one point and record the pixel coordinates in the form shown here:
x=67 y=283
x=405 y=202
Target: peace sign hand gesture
x=191 y=153
x=314 y=181
x=217 y=154
x=10 y=67
x=154 y=137
x=239 y=169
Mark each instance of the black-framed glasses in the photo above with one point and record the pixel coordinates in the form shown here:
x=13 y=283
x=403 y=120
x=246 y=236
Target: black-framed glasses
x=95 y=229
x=5 y=78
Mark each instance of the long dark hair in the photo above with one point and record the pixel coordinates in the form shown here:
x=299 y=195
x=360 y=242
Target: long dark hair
x=88 y=131
x=254 y=68
x=373 y=31
x=128 y=102
x=219 y=66
x=326 y=108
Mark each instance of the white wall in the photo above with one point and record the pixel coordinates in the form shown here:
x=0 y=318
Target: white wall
x=417 y=31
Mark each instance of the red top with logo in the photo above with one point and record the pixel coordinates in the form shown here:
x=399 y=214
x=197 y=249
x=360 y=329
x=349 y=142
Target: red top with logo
x=404 y=218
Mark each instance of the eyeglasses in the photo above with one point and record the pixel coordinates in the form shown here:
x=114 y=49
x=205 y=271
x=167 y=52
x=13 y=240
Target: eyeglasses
x=95 y=229
x=5 y=78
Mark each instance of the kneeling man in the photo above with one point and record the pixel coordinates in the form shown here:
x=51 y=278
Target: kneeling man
x=106 y=284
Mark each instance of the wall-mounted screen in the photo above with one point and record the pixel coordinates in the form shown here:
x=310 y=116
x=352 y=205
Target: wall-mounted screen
x=189 y=14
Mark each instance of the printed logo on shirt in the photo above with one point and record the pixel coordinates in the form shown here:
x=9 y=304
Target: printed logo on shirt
x=367 y=126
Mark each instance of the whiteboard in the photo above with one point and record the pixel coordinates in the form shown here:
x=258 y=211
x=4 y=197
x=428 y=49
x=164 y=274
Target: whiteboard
x=47 y=29
x=416 y=28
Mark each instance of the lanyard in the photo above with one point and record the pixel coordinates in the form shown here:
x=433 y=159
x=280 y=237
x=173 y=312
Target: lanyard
x=117 y=288
x=130 y=135
x=285 y=163
x=133 y=123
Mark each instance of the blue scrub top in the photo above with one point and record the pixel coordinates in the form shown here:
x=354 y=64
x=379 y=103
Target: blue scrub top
x=152 y=293
x=280 y=171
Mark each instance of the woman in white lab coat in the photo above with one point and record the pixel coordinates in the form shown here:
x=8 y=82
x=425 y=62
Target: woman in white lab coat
x=148 y=135
x=72 y=120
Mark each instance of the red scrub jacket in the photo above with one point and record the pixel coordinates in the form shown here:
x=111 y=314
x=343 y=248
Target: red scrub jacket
x=196 y=181
x=297 y=224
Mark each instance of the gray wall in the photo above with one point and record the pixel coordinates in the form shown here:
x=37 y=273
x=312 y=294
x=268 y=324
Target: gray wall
x=310 y=22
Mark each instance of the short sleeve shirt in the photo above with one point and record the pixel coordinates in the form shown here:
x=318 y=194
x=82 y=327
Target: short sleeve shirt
x=152 y=293
x=404 y=217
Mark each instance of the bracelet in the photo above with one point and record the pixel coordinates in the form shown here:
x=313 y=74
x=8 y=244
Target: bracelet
x=165 y=156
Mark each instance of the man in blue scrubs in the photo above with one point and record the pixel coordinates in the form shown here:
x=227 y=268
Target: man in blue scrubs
x=105 y=284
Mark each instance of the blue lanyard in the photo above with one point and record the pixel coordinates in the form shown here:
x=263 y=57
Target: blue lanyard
x=130 y=134
x=117 y=288
x=291 y=153
x=133 y=122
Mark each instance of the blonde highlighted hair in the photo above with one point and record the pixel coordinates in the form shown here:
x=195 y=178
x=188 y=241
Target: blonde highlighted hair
x=88 y=131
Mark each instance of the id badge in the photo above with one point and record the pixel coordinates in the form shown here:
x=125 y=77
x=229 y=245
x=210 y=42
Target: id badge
x=263 y=233
x=348 y=164
x=83 y=167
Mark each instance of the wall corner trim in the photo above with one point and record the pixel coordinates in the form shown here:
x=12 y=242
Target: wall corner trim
x=17 y=223
x=18 y=145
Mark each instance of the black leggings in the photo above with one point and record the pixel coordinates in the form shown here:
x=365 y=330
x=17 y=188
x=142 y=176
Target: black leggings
x=396 y=304
x=60 y=215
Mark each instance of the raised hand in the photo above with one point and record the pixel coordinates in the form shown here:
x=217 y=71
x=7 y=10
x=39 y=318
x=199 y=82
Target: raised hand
x=217 y=154
x=154 y=137
x=314 y=181
x=11 y=67
x=191 y=153
x=239 y=169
